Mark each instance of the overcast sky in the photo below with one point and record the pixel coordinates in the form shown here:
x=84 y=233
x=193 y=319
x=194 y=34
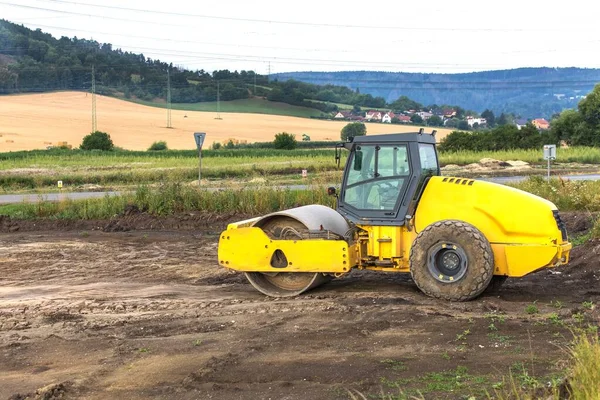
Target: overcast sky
x=432 y=36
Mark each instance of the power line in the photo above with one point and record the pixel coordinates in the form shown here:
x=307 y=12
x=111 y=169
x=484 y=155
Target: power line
x=298 y=23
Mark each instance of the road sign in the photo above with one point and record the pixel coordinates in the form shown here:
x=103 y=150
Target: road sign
x=199 y=137
x=549 y=154
x=60 y=184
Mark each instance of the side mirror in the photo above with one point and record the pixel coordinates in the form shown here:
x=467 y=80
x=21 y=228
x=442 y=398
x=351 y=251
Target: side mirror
x=331 y=191
x=358 y=156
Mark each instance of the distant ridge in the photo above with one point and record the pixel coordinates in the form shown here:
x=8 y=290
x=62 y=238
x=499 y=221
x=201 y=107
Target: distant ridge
x=526 y=92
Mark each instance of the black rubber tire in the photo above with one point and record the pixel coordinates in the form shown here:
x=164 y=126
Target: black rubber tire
x=269 y=285
x=495 y=284
x=480 y=260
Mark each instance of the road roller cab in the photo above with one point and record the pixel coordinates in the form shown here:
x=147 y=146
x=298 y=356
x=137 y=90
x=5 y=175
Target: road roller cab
x=456 y=237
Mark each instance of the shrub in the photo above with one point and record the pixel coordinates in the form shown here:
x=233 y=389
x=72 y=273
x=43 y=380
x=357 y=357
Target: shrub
x=97 y=141
x=285 y=141
x=353 y=129
x=158 y=146
x=216 y=145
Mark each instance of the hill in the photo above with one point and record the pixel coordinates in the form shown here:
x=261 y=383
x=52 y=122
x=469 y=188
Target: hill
x=34 y=61
x=34 y=121
x=528 y=92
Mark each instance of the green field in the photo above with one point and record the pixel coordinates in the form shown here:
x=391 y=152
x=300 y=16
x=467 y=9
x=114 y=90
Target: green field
x=40 y=170
x=584 y=155
x=253 y=105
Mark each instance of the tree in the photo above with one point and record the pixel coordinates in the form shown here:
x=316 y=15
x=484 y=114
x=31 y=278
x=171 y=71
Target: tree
x=565 y=125
x=404 y=103
x=589 y=108
x=356 y=110
x=353 y=129
x=416 y=119
x=502 y=120
x=489 y=117
x=97 y=141
x=451 y=123
x=435 y=120
x=463 y=125
x=285 y=141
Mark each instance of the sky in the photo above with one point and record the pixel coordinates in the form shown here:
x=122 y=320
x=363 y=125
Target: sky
x=282 y=36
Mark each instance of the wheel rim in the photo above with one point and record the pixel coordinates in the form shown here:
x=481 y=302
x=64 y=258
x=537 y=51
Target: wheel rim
x=447 y=262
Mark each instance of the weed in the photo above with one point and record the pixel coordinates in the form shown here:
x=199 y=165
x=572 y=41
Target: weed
x=197 y=342
x=579 y=317
x=85 y=234
x=588 y=305
x=492 y=327
x=395 y=364
x=463 y=336
x=143 y=350
x=556 y=304
x=496 y=318
x=522 y=374
x=532 y=308
x=445 y=355
x=554 y=318
x=494 y=337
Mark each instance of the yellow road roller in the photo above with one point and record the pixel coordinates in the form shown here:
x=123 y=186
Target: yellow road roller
x=456 y=237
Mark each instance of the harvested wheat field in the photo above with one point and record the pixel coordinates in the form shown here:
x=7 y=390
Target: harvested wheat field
x=35 y=121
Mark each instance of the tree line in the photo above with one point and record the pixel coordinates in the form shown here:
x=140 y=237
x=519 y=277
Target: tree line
x=34 y=61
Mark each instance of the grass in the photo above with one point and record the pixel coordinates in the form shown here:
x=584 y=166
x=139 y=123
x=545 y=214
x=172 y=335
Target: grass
x=578 y=381
x=42 y=169
x=253 y=105
x=565 y=194
x=31 y=170
x=173 y=198
x=583 y=376
x=585 y=155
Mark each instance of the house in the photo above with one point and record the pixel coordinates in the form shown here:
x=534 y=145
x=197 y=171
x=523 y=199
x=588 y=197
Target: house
x=343 y=115
x=425 y=115
x=473 y=120
x=373 y=115
x=405 y=119
x=387 y=117
x=449 y=113
x=521 y=123
x=541 y=123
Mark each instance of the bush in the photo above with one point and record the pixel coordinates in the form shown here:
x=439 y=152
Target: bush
x=216 y=146
x=158 y=146
x=505 y=137
x=353 y=129
x=285 y=141
x=97 y=141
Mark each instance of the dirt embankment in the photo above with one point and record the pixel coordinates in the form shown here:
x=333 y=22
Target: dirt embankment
x=138 y=308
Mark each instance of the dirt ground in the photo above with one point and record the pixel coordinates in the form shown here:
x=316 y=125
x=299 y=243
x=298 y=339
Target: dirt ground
x=34 y=121
x=137 y=308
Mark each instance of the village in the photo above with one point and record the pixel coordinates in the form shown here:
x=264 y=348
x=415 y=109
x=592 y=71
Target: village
x=446 y=117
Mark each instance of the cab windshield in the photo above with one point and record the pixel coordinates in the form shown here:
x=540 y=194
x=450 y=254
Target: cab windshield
x=376 y=177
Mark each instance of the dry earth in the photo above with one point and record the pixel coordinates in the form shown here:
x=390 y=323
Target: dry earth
x=34 y=121
x=137 y=308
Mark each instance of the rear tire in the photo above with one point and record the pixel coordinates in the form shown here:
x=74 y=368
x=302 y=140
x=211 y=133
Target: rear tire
x=451 y=260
